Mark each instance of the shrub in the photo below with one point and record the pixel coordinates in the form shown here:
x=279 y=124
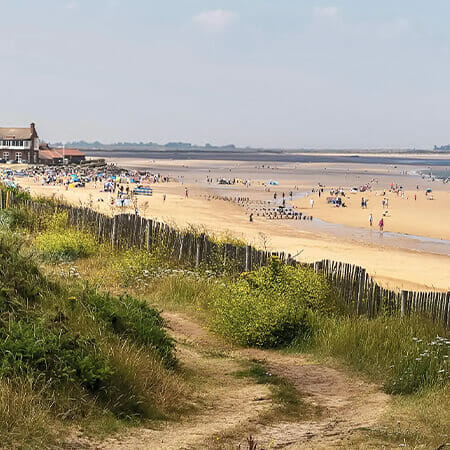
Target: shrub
x=133 y=318
x=65 y=245
x=21 y=282
x=33 y=350
x=13 y=219
x=271 y=306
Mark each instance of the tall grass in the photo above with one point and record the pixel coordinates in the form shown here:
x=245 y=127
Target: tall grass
x=128 y=353
x=405 y=354
x=65 y=245
x=25 y=420
x=69 y=353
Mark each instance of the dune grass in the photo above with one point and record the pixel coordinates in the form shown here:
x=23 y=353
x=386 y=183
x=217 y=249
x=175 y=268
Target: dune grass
x=408 y=356
x=71 y=355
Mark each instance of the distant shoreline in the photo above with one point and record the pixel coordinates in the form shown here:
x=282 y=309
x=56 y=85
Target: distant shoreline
x=265 y=156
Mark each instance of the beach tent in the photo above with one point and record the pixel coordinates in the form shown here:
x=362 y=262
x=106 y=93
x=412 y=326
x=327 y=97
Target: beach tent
x=273 y=183
x=429 y=190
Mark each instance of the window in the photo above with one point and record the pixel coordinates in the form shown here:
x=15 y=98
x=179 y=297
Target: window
x=19 y=157
x=6 y=155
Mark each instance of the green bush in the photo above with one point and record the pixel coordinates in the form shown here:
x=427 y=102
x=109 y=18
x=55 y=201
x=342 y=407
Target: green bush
x=14 y=219
x=50 y=353
x=133 y=318
x=21 y=282
x=272 y=306
x=65 y=245
x=19 y=194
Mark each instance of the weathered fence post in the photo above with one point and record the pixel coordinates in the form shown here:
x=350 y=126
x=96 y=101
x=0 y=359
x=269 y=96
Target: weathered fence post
x=198 y=254
x=248 y=258
x=447 y=312
x=403 y=304
x=361 y=282
x=114 y=232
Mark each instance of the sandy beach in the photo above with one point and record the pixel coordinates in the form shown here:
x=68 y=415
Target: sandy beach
x=415 y=213
x=400 y=268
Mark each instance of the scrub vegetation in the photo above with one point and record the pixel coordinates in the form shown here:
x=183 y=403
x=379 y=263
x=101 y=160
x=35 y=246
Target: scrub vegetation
x=70 y=354
x=83 y=341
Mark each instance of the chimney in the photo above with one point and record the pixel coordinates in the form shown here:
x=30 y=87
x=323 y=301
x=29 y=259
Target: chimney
x=32 y=127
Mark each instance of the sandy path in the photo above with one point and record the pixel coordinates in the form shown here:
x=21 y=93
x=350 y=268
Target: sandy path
x=234 y=407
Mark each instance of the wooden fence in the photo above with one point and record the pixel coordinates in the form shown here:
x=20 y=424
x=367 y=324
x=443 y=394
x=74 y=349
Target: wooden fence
x=364 y=296
x=355 y=287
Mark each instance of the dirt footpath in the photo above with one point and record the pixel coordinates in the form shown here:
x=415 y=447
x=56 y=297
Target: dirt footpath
x=232 y=408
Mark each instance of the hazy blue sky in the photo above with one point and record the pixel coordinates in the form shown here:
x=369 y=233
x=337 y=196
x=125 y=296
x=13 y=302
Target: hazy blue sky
x=273 y=73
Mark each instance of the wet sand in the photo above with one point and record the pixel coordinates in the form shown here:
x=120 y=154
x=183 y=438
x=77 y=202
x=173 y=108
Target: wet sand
x=421 y=216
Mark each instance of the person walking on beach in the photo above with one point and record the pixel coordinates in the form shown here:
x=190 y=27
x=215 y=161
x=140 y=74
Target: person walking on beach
x=311 y=202
x=362 y=202
x=251 y=217
x=186 y=192
x=381 y=224
x=370 y=219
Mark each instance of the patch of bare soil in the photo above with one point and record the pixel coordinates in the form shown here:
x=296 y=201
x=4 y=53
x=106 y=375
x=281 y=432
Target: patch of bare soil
x=348 y=404
x=234 y=407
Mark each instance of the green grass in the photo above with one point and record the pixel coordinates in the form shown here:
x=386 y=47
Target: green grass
x=405 y=355
x=284 y=393
x=65 y=245
x=71 y=355
x=125 y=377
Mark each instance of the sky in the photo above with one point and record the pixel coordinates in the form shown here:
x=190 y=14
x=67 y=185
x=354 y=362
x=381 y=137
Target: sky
x=261 y=73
